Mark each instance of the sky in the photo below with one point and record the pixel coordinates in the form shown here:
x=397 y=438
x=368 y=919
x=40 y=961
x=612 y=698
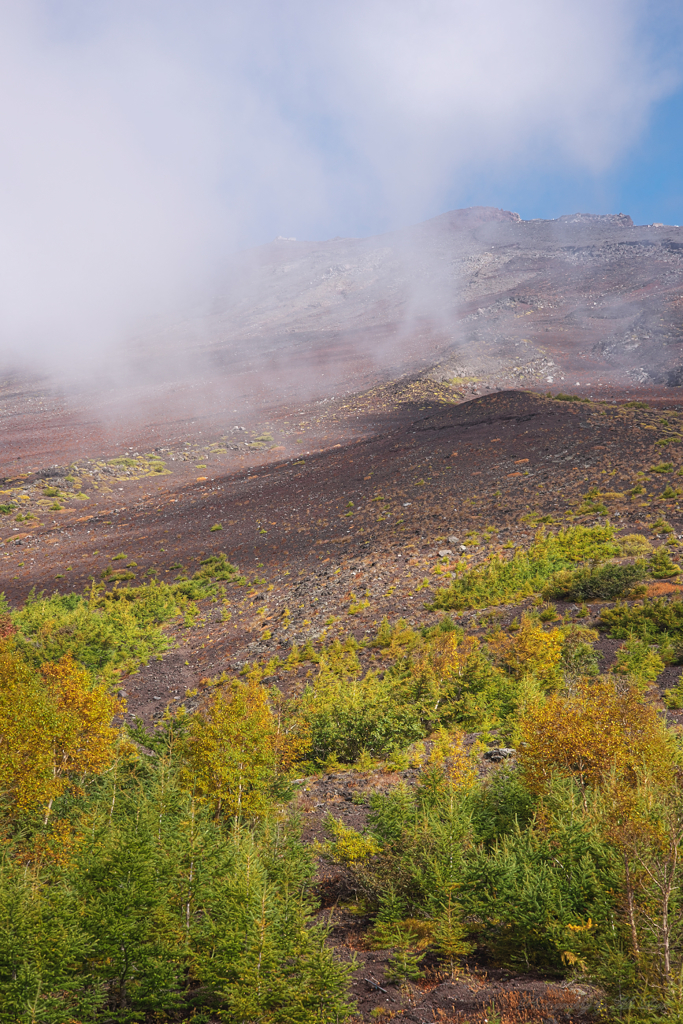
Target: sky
x=144 y=141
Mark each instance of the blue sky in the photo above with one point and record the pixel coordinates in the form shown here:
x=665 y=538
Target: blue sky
x=646 y=181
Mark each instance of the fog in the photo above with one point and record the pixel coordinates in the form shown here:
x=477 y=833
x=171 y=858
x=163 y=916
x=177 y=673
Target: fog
x=145 y=143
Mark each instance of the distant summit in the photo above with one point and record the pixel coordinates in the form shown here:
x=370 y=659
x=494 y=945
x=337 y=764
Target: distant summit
x=618 y=219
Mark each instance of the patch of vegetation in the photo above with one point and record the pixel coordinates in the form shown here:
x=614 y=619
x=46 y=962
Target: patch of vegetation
x=499 y=581
x=606 y=582
x=655 y=620
x=661 y=565
x=635 y=545
x=162 y=875
x=114 y=630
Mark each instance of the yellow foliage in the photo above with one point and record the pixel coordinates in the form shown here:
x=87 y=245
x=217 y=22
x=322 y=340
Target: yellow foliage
x=53 y=726
x=457 y=763
x=599 y=729
x=348 y=847
x=86 y=736
x=237 y=747
x=532 y=650
x=449 y=655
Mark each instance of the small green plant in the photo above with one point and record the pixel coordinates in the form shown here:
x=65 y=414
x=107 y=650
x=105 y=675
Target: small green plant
x=606 y=582
x=635 y=545
x=673 y=698
x=662 y=467
x=660 y=527
x=661 y=565
x=216 y=527
x=357 y=605
x=405 y=963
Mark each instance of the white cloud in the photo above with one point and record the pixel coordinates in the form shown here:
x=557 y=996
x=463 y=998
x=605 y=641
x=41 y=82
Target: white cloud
x=141 y=142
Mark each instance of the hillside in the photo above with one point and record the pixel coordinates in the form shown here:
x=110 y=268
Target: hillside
x=360 y=697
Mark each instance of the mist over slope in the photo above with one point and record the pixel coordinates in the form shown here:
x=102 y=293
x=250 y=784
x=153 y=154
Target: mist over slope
x=479 y=291
x=478 y=299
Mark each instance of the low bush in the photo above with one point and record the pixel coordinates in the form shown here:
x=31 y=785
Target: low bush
x=115 y=629
x=500 y=581
x=605 y=582
x=635 y=545
x=655 y=620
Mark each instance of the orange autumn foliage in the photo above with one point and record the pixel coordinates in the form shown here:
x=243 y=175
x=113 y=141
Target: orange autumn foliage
x=601 y=729
x=54 y=726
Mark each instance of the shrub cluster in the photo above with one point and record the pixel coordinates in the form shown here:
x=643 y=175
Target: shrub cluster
x=164 y=874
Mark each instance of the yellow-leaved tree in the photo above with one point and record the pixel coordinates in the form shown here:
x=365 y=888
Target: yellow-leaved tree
x=603 y=728
x=236 y=748
x=531 y=650
x=449 y=655
x=55 y=726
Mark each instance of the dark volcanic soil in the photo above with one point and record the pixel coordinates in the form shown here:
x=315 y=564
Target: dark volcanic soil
x=333 y=540
x=358 y=525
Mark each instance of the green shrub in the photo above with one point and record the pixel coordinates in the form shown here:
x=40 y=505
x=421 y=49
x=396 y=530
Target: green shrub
x=661 y=566
x=635 y=545
x=116 y=629
x=348 y=714
x=640 y=661
x=499 y=581
x=606 y=582
x=654 y=620
x=100 y=631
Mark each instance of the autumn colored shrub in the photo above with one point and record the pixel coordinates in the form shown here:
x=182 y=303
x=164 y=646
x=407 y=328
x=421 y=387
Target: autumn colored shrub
x=235 y=749
x=635 y=545
x=531 y=650
x=55 y=729
x=604 y=727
